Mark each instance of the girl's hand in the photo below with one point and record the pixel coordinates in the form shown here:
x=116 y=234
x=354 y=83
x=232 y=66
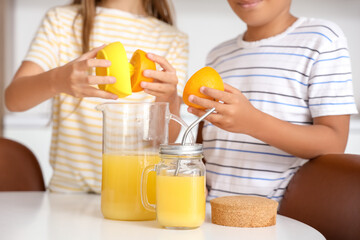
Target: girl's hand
x=235 y=114
x=164 y=86
x=74 y=79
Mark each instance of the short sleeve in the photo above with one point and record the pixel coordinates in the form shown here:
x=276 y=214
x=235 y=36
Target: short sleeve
x=44 y=49
x=330 y=82
x=178 y=58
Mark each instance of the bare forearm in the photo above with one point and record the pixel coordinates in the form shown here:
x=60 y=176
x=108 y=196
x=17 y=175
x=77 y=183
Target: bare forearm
x=29 y=91
x=327 y=134
x=31 y=85
x=299 y=140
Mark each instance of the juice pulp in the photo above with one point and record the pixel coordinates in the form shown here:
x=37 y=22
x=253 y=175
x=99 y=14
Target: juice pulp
x=120 y=189
x=180 y=201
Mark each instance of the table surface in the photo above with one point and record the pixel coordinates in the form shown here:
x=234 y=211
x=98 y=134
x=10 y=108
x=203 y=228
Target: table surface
x=43 y=215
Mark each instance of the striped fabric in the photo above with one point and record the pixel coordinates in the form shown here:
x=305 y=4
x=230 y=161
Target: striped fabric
x=76 y=147
x=295 y=76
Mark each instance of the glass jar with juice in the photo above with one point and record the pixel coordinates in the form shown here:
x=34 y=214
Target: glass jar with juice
x=180 y=187
x=132 y=134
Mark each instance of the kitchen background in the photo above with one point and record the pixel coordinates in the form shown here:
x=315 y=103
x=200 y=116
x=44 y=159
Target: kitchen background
x=207 y=22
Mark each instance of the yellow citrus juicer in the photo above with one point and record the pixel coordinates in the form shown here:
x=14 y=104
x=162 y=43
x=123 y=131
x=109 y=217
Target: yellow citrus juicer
x=128 y=75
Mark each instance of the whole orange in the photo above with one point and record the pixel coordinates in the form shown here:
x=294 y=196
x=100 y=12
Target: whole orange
x=207 y=77
x=140 y=62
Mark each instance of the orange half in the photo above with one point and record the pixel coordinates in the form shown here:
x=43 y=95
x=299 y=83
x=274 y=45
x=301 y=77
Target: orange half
x=140 y=62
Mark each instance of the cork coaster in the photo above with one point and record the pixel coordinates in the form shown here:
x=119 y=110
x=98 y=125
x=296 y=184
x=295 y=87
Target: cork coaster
x=243 y=211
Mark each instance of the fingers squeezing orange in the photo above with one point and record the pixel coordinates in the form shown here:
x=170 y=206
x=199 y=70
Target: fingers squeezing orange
x=140 y=62
x=205 y=77
x=128 y=75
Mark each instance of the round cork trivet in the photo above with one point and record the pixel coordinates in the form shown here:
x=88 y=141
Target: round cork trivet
x=243 y=211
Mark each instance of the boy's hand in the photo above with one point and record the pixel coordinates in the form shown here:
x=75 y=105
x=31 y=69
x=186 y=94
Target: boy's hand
x=235 y=114
x=164 y=86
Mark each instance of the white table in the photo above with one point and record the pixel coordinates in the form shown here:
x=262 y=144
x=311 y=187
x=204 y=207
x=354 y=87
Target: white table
x=38 y=215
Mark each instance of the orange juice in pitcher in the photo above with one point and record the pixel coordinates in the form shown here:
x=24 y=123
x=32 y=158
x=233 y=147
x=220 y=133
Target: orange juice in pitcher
x=132 y=134
x=120 y=191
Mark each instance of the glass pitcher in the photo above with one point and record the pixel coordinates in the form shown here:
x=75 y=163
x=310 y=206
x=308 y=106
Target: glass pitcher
x=180 y=187
x=132 y=134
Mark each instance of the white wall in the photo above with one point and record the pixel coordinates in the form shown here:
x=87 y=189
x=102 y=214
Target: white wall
x=207 y=22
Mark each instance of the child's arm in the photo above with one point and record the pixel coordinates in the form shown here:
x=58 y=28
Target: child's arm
x=326 y=135
x=31 y=85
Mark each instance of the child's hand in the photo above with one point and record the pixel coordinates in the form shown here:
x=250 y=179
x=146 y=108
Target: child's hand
x=164 y=86
x=74 y=79
x=235 y=114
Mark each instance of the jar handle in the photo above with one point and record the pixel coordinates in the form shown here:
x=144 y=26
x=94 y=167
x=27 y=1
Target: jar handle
x=143 y=185
x=183 y=124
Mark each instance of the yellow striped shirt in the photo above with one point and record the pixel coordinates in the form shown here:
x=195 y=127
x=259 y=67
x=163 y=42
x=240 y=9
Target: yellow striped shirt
x=76 y=146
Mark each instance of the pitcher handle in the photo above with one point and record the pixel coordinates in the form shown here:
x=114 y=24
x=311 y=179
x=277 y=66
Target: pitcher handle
x=183 y=124
x=143 y=185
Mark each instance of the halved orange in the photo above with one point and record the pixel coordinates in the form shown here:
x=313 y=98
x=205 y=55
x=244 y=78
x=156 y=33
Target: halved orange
x=207 y=77
x=140 y=62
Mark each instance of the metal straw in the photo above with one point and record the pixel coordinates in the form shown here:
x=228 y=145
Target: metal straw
x=183 y=142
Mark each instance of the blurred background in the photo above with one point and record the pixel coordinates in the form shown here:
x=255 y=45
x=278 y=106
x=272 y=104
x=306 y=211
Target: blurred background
x=207 y=22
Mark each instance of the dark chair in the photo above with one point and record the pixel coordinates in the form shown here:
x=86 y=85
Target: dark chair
x=19 y=168
x=325 y=194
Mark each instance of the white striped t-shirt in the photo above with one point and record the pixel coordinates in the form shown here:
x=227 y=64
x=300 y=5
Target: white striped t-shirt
x=295 y=76
x=76 y=146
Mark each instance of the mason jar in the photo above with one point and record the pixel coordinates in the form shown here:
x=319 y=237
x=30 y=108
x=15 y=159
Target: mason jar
x=180 y=186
